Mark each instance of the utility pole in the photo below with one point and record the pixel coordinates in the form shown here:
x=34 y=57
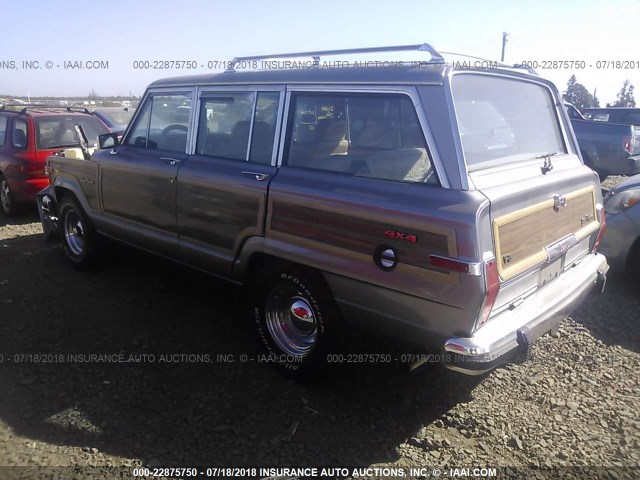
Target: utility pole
x=504 y=44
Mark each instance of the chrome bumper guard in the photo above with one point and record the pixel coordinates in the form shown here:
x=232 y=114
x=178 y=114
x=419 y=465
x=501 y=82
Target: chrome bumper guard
x=509 y=336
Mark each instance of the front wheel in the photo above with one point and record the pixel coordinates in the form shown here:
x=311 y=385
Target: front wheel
x=295 y=318
x=77 y=234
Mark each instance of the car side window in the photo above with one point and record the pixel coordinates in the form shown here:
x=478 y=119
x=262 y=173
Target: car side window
x=264 y=127
x=3 y=129
x=138 y=135
x=225 y=125
x=19 y=134
x=163 y=123
x=367 y=135
x=238 y=126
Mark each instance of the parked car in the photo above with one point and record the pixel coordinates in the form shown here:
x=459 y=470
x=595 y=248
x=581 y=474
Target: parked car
x=445 y=207
x=608 y=148
x=28 y=135
x=623 y=115
x=621 y=242
x=116 y=118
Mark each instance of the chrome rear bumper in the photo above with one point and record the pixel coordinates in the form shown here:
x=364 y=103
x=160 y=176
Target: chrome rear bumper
x=509 y=335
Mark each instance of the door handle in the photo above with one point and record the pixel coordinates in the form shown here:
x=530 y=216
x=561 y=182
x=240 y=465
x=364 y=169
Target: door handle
x=171 y=161
x=257 y=175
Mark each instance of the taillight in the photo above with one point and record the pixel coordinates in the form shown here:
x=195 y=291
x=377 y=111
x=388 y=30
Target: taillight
x=628 y=143
x=449 y=263
x=31 y=165
x=603 y=227
x=492 y=284
x=33 y=169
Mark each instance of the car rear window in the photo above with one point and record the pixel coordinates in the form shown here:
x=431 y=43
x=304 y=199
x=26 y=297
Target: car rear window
x=119 y=116
x=629 y=117
x=504 y=120
x=59 y=131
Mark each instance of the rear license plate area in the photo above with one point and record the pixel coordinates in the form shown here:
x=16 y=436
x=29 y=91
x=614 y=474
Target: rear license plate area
x=550 y=272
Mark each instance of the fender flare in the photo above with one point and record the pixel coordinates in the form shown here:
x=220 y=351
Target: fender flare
x=60 y=184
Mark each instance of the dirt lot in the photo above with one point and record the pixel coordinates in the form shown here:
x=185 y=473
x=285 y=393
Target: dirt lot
x=576 y=403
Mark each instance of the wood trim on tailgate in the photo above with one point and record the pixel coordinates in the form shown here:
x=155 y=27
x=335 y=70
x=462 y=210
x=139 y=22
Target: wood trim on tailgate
x=521 y=237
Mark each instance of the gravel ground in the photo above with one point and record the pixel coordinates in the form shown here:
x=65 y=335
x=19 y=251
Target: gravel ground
x=575 y=404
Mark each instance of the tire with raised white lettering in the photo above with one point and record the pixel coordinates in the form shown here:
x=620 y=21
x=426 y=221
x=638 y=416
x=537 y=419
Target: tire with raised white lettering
x=295 y=316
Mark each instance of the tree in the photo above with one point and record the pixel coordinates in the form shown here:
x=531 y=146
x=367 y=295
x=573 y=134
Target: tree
x=596 y=100
x=625 y=96
x=577 y=94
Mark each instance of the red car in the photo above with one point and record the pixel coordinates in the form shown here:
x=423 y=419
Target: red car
x=28 y=135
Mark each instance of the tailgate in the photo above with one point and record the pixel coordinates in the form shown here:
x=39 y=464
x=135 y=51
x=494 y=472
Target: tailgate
x=521 y=153
x=527 y=237
x=541 y=224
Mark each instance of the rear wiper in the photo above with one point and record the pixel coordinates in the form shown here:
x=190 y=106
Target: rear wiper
x=547 y=166
x=546 y=155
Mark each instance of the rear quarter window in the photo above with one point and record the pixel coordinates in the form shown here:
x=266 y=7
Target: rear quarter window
x=365 y=135
x=19 y=134
x=503 y=120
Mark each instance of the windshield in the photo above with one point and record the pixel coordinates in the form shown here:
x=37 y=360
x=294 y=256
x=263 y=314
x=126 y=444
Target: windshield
x=59 y=131
x=503 y=120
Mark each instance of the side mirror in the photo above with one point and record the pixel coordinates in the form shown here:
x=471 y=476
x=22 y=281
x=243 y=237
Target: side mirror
x=108 y=140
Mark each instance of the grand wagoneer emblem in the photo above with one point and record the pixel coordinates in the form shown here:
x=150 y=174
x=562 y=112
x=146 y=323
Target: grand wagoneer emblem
x=586 y=219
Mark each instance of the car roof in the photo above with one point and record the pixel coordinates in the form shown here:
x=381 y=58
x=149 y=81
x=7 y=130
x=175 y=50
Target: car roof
x=425 y=73
x=43 y=111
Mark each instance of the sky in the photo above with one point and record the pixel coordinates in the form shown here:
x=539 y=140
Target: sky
x=204 y=31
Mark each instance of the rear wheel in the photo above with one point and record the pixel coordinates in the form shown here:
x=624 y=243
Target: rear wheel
x=8 y=203
x=77 y=234
x=295 y=318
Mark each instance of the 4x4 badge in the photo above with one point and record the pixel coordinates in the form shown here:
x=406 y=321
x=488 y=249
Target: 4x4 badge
x=401 y=236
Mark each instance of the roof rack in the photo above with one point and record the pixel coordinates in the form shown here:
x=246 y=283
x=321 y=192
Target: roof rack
x=497 y=63
x=35 y=106
x=423 y=47
x=436 y=57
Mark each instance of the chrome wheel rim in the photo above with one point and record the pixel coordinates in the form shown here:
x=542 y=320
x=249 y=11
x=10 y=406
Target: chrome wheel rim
x=74 y=232
x=291 y=321
x=5 y=195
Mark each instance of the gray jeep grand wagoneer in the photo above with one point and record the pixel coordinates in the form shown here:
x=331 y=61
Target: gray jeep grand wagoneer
x=444 y=206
